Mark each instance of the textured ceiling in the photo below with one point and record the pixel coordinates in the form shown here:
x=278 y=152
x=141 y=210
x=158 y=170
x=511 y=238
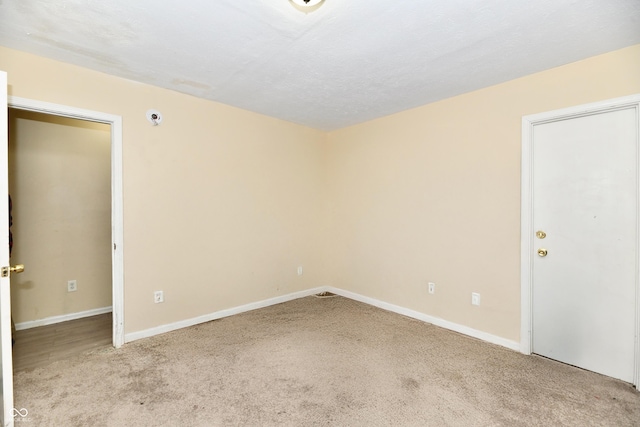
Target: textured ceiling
x=348 y=62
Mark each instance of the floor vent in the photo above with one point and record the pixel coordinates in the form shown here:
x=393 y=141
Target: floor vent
x=325 y=295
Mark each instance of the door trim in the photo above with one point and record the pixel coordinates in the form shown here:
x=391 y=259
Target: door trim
x=117 y=229
x=527 y=251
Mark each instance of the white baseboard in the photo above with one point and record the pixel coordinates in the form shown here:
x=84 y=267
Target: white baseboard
x=220 y=314
x=62 y=318
x=484 y=336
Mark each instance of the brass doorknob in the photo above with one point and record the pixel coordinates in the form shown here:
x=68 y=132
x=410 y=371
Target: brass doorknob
x=19 y=268
x=541 y=234
x=542 y=252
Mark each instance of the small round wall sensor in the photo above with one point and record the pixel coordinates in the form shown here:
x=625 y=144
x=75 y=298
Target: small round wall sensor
x=154 y=117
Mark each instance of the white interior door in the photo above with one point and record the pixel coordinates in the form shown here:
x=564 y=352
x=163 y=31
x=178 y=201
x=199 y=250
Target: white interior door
x=6 y=365
x=585 y=198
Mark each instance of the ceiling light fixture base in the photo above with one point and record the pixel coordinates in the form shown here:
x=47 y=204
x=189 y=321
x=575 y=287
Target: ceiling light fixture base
x=306 y=6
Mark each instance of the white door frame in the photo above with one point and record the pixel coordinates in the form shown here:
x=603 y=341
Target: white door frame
x=527 y=250
x=117 y=233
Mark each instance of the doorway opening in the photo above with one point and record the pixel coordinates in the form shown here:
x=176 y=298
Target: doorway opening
x=103 y=300
x=59 y=183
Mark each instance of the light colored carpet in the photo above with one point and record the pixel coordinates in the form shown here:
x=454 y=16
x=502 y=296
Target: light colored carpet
x=319 y=362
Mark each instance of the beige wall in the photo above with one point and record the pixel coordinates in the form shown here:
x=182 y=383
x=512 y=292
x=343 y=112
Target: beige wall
x=220 y=205
x=60 y=183
x=433 y=194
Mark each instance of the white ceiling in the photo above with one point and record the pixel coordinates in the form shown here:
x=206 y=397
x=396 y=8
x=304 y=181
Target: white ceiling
x=348 y=62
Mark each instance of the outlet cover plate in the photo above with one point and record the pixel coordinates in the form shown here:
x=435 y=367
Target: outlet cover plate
x=72 y=286
x=158 y=296
x=475 y=298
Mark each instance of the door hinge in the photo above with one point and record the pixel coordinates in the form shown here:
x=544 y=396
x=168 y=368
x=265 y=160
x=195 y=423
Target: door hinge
x=5 y=272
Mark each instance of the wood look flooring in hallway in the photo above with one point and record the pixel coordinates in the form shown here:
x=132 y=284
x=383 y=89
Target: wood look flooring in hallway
x=43 y=345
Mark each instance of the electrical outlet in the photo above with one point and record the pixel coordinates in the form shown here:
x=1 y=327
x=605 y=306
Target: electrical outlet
x=158 y=296
x=432 y=288
x=72 y=286
x=475 y=298
x=300 y=271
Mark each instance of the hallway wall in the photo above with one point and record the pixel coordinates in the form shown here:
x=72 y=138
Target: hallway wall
x=60 y=182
